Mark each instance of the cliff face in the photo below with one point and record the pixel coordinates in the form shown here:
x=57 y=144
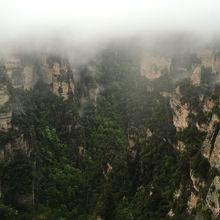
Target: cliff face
x=4 y=97
x=180 y=111
x=5 y=114
x=23 y=74
x=5 y=121
x=215 y=154
x=216 y=62
x=201 y=112
x=54 y=71
x=154 y=66
x=211 y=145
x=58 y=74
x=210 y=59
x=212 y=198
x=188 y=124
x=196 y=75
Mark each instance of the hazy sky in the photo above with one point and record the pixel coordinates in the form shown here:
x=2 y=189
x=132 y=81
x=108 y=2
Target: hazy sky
x=88 y=19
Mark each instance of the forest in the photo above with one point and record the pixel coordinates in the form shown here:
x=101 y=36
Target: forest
x=107 y=156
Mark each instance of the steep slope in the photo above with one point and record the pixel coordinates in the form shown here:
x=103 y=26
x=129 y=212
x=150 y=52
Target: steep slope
x=119 y=143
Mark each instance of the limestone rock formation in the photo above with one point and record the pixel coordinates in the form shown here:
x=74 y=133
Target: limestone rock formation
x=54 y=71
x=197 y=182
x=11 y=64
x=208 y=105
x=28 y=77
x=180 y=146
x=6 y=115
x=6 y=152
x=171 y=213
x=211 y=145
x=192 y=202
x=153 y=66
x=132 y=148
x=57 y=73
x=177 y=193
x=4 y=97
x=216 y=62
x=196 y=75
x=181 y=111
x=213 y=195
x=215 y=153
x=149 y=133
x=5 y=121
x=205 y=55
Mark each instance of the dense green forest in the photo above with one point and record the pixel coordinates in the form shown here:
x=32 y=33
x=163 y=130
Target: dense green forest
x=95 y=158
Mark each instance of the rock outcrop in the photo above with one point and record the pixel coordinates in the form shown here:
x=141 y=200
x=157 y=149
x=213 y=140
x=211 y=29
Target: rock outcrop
x=205 y=56
x=171 y=213
x=177 y=193
x=4 y=97
x=28 y=77
x=214 y=158
x=213 y=195
x=180 y=146
x=132 y=147
x=216 y=62
x=14 y=146
x=5 y=115
x=196 y=75
x=180 y=111
x=192 y=202
x=57 y=73
x=54 y=71
x=5 y=121
x=153 y=66
x=211 y=144
x=208 y=105
x=196 y=181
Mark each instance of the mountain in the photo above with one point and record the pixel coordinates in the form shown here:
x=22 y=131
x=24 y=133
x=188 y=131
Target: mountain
x=131 y=134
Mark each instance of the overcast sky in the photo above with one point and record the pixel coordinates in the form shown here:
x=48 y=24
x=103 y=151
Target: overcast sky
x=88 y=19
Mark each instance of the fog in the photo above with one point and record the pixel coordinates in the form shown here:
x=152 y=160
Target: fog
x=67 y=23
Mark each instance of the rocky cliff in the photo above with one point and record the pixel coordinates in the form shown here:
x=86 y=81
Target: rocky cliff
x=180 y=111
x=153 y=66
x=197 y=110
x=115 y=122
x=23 y=72
x=189 y=63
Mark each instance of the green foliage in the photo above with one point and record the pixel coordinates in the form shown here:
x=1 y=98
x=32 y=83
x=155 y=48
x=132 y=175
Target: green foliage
x=7 y=213
x=207 y=77
x=200 y=166
x=17 y=182
x=80 y=162
x=123 y=210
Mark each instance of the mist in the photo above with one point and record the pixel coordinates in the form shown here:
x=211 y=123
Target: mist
x=92 y=19
x=70 y=25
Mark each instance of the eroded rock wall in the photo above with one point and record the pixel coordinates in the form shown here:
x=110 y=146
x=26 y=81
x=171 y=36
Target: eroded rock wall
x=56 y=72
x=180 y=111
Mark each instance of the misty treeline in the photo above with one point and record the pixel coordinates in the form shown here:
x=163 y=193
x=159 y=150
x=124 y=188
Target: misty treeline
x=109 y=157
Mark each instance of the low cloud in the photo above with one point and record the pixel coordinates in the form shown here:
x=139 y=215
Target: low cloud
x=50 y=23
